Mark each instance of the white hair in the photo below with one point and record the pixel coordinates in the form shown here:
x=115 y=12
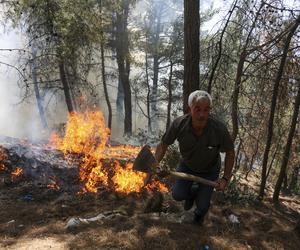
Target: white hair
x=197 y=95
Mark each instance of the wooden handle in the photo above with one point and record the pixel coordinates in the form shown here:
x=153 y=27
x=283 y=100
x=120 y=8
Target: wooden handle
x=193 y=178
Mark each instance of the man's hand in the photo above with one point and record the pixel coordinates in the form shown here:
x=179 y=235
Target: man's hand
x=160 y=151
x=147 y=179
x=222 y=185
x=162 y=172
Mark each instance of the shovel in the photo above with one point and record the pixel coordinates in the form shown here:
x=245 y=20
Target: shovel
x=146 y=162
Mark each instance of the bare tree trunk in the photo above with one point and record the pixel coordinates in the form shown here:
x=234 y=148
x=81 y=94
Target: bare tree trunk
x=66 y=87
x=156 y=64
x=120 y=96
x=38 y=97
x=294 y=178
x=252 y=160
x=238 y=78
x=122 y=49
x=169 y=95
x=148 y=96
x=154 y=89
x=105 y=86
x=191 y=49
x=237 y=156
x=71 y=78
x=103 y=73
x=285 y=182
x=272 y=161
x=272 y=112
x=219 y=44
x=287 y=149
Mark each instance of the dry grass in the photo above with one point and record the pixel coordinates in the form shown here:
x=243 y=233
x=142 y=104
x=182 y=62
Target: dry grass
x=40 y=224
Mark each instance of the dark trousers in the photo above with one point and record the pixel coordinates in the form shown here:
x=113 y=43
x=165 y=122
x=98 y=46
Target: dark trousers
x=185 y=189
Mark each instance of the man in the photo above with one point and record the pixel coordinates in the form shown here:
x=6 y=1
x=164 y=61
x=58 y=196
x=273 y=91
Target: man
x=201 y=138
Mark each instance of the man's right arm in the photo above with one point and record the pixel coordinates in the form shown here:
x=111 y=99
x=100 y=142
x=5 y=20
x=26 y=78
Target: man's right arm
x=160 y=151
x=159 y=155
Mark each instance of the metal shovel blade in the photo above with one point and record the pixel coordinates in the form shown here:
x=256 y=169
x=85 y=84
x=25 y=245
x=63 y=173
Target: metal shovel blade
x=145 y=161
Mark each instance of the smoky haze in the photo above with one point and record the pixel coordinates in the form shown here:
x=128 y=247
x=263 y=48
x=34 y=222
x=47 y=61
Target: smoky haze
x=22 y=119
x=16 y=120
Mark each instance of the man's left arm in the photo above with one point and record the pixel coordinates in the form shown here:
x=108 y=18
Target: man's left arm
x=229 y=162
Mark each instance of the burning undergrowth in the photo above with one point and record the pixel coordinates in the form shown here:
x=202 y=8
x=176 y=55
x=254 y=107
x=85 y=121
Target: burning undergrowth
x=103 y=166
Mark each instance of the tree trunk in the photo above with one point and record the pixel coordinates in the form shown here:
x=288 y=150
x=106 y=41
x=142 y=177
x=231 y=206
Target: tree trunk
x=155 y=65
x=105 y=86
x=219 y=44
x=237 y=156
x=285 y=182
x=120 y=96
x=287 y=149
x=148 y=95
x=38 y=97
x=122 y=49
x=66 y=87
x=191 y=49
x=294 y=178
x=272 y=112
x=104 y=73
x=234 y=108
x=169 y=96
x=154 y=90
x=238 y=78
x=272 y=161
x=72 y=78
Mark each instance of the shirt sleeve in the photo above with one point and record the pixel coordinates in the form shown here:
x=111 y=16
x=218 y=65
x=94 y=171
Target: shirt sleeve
x=227 y=142
x=171 y=134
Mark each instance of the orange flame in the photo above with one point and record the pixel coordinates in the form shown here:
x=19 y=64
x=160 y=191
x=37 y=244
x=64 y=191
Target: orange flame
x=156 y=185
x=87 y=135
x=16 y=174
x=126 y=180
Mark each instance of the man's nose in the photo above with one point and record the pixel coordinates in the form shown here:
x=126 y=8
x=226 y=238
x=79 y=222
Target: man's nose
x=201 y=113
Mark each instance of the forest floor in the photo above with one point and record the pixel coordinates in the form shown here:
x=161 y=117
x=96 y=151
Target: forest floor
x=36 y=218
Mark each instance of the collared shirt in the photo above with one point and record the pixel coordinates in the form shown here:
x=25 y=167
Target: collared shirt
x=200 y=153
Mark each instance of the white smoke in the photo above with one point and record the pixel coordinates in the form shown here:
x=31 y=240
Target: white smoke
x=16 y=120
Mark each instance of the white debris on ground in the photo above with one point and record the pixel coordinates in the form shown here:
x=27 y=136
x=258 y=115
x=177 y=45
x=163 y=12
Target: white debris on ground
x=233 y=219
x=76 y=222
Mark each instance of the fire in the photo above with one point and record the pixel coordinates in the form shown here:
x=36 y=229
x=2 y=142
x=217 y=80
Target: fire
x=156 y=185
x=16 y=174
x=87 y=135
x=93 y=176
x=126 y=180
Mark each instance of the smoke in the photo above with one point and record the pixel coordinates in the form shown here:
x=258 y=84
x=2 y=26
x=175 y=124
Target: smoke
x=16 y=120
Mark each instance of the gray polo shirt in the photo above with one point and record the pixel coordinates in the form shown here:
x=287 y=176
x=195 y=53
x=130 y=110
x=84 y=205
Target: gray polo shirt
x=200 y=153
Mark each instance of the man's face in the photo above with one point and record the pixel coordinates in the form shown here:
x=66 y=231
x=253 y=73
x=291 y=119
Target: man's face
x=200 y=112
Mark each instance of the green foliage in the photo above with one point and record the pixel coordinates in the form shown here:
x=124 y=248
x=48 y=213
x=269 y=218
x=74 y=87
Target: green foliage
x=240 y=194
